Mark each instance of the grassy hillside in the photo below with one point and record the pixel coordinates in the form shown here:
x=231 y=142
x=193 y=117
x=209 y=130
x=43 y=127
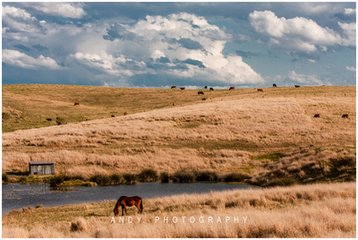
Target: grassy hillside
x=271 y=136
x=28 y=106
x=320 y=210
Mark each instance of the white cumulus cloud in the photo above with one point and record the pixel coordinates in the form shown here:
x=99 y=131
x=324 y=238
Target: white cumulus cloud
x=70 y=10
x=304 y=78
x=20 y=59
x=300 y=33
x=349 y=11
x=349 y=33
x=185 y=37
x=180 y=45
x=18 y=19
x=107 y=63
x=350 y=68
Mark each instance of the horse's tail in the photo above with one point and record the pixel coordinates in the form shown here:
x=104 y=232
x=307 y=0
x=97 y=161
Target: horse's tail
x=141 y=205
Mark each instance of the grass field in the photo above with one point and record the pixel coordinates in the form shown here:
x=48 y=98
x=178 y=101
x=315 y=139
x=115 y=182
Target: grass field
x=29 y=106
x=318 y=210
x=270 y=134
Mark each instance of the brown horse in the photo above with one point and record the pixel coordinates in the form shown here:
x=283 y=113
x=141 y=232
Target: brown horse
x=125 y=202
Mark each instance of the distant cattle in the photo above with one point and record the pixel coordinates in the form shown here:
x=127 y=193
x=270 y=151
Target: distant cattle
x=206 y=87
x=274 y=85
x=200 y=93
x=211 y=89
x=182 y=88
x=76 y=104
x=344 y=115
x=113 y=115
x=173 y=87
x=231 y=88
x=317 y=115
x=297 y=86
x=260 y=90
x=49 y=119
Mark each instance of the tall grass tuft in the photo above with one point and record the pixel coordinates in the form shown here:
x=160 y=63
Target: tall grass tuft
x=5 y=178
x=206 y=176
x=235 y=177
x=116 y=179
x=183 y=176
x=79 y=225
x=148 y=175
x=164 y=177
x=130 y=178
x=56 y=181
x=102 y=180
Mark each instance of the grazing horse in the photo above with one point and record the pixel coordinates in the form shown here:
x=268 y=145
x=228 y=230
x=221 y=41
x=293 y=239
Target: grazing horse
x=173 y=87
x=260 y=90
x=200 y=93
x=296 y=86
x=76 y=104
x=274 y=85
x=231 y=88
x=211 y=89
x=182 y=88
x=317 y=115
x=125 y=202
x=344 y=115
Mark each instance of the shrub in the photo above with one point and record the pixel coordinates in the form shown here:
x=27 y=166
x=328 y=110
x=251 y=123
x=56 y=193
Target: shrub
x=5 y=178
x=78 y=225
x=56 y=181
x=88 y=184
x=284 y=181
x=183 y=176
x=235 y=177
x=148 y=175
x=5 y=116
x=130 y=178
x=343 y=166
x=60 y=121
x=102 y=180
x=116 y=179
x=164 y=177
x=206 y=176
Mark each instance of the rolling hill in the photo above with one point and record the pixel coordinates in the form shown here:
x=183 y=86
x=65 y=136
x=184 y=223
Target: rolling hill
x=267 y=135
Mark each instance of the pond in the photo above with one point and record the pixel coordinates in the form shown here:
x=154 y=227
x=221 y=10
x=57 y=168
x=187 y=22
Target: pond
x=23 y=195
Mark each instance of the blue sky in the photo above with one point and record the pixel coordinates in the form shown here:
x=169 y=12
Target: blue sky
x=188 y=44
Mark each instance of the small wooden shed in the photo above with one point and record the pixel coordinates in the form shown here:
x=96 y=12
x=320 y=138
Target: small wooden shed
x=42 y=168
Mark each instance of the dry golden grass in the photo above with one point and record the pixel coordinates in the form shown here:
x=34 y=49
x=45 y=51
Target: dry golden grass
x=319 y=210
x=29 y=105
x=226 y=133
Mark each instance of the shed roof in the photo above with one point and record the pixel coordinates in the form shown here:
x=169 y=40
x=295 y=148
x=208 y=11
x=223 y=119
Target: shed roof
x=41 y=163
